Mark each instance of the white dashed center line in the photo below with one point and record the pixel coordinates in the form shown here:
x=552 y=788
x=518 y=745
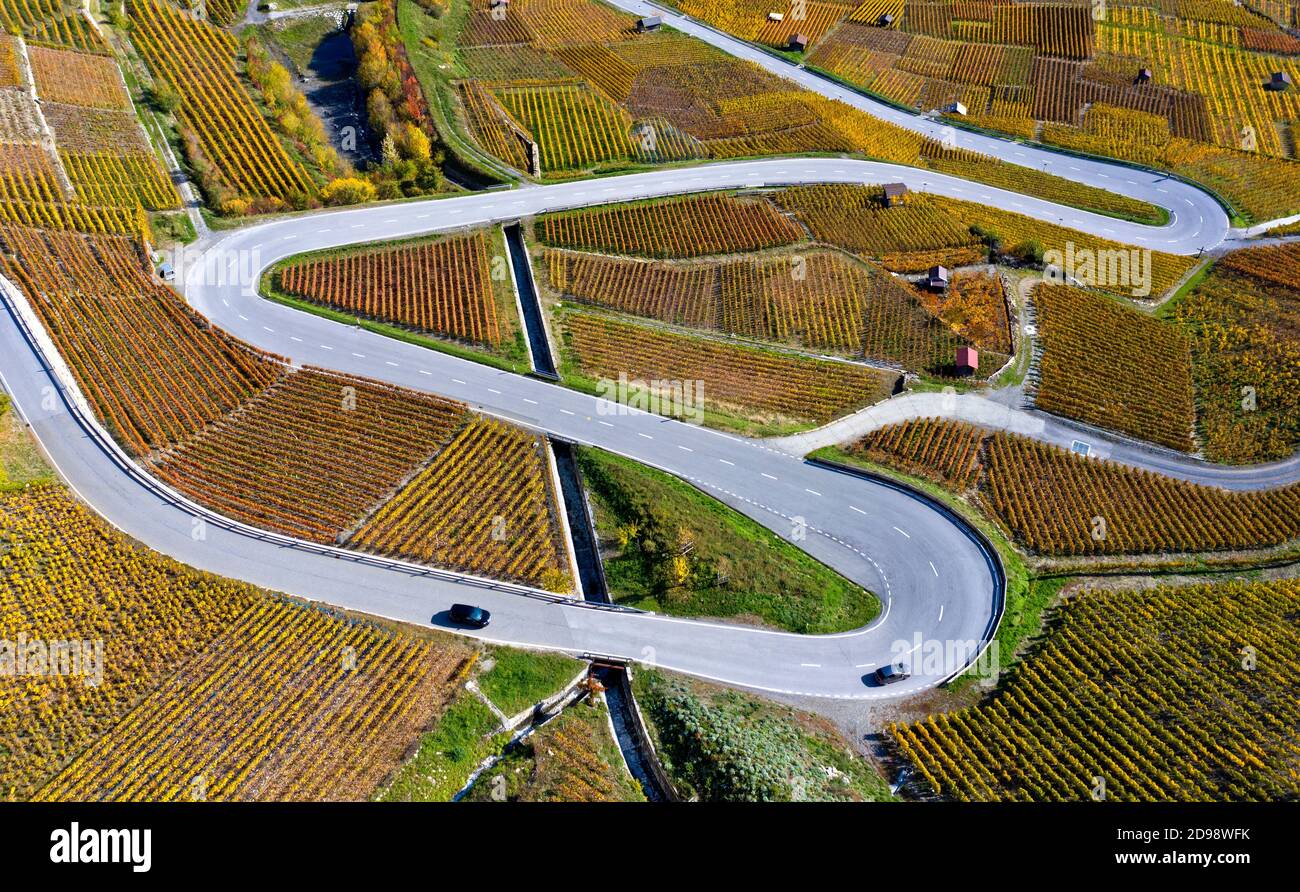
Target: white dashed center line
x=932 y=567
x=767 y=475
x=904 y=532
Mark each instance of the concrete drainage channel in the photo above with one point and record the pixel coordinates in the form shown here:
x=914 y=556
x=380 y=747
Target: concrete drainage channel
x=628 y=724
x=613 y=674
x=539 y=347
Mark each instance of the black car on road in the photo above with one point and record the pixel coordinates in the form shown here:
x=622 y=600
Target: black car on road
x=891 y=673
x=469 y=615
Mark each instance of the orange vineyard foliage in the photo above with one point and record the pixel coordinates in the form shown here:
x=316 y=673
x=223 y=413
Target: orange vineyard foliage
x=293 y=703
x=311 y=455
x=443 y=287
x=1056 y=503
x=153 y=370
x=1144 y=689
x=1242 y=321
x=783 y=384
x=68 y=577
x=198 y=60
x=484 y=504
x=1115 y=367
x=944 y=451
x=693 y=226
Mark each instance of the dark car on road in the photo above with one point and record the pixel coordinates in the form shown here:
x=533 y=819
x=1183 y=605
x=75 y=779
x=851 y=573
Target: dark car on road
x=469 y=615
x=893 y=672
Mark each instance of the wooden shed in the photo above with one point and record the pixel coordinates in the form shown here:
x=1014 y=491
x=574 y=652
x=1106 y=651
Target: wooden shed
x=1280 y=80
x=968 y=360
x=1143 y=76
x=895 y=194
x=937 y=278
x=648 y=23
x=798 y=43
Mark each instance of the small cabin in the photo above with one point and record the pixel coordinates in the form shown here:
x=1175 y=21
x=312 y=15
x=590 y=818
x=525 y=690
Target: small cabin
x=1280 y=80
x=956 y=108
x=648 y=23
x=968 y=360
x=776 y=17
x=1143 y=76
x=886 y=19
x=937 y=278
x=798 y=43
x=895 y=194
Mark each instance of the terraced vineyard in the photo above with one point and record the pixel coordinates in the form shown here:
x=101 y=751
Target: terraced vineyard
x=1052 y=499
x=911 y=238
x=1059 y=504
x=693 y=226
x=348 y=696
x=814 y=299
x=153 y=370
x=443 y=287
x=483 y=505
x=944 y=451
x=68 y=577
x=231 y=135
x=1052 y=71
x=557 y=87
x=753 y=380
x=77 y=78
x=312 y=455
x=1136 y=695
x=1241 y=321
x=674 y=293
x=79 y=160
x=1114 y=367
x=1158 y=274
x=53 y=22
x=976 y=307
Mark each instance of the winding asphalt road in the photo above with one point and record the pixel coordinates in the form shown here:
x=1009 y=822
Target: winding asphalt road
x=936 y=584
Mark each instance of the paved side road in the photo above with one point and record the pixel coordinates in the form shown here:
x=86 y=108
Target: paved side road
x=984 y=412
x=1197 y=221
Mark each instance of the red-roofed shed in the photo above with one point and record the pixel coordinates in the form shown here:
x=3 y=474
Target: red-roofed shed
x=968 y=360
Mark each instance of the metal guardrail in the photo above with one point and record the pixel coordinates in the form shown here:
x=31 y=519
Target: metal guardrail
x=986 y=547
